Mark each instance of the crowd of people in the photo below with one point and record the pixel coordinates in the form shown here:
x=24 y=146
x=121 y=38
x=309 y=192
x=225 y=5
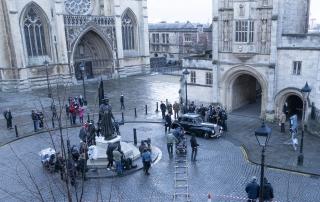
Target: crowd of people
x=253 y=190
x=38 y=120
x=75 y=108
x=212 y=113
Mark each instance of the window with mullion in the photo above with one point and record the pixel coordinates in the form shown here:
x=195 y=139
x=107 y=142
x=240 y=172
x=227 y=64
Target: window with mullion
x=244 y=31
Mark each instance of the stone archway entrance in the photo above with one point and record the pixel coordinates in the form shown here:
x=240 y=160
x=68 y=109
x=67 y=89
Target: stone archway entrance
x=246 y=95
x=291 y=96
x=244 y=91
x=94 y=53
x=295 y=105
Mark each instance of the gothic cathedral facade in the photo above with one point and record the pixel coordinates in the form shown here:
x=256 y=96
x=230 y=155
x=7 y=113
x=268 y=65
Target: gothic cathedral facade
x=262 y=50
x=64 y=40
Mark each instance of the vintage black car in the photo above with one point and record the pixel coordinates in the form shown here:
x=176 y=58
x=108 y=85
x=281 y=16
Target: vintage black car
x=193 y=124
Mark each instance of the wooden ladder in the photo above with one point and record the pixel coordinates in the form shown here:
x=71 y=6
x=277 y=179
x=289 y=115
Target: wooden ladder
x=181 y=185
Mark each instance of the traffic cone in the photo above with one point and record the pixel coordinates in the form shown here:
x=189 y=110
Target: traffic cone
x=209 y=197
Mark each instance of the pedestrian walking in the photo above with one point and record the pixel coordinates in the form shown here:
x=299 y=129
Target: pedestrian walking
x=81 y=114
x=81 y=101
x=169 y=108
x=267 y=191
x=171 y=139
x=168 y=122
x=53 y=110
x=282 y=122
x=35 y=120
x=117 y=157
x=222 y=115
x=122 y=107
x=163 y=109
x=73 y=112
x=110 y=156
x=252 y=190
x=41 y=119
x=194 y=146
x=146 y=161
x=8 y=116
x=176 y=109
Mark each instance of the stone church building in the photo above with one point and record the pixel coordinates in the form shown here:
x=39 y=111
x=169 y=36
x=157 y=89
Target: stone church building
x=261 y=52
x=60 y=40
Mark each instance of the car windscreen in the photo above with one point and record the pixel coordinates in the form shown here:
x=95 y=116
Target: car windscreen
x=198 y=120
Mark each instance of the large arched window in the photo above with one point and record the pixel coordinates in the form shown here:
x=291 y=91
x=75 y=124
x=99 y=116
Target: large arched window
x=128 y=30
x=35 y=32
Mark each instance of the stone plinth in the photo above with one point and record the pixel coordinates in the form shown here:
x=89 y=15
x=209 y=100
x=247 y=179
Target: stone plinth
x=129 y=150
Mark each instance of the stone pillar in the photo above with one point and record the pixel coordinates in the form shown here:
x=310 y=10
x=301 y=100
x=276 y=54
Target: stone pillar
x=61 y=40
x=215 y=52
x=119 y=54
x=144 y=36
x=18 y=75
x=273 y=67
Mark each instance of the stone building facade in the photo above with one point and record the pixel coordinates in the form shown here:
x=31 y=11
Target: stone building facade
x=109 y=38
x=171 y=42
x=262 y=52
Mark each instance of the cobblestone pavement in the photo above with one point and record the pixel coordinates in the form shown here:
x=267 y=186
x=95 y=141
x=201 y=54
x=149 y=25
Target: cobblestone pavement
x=221 y=168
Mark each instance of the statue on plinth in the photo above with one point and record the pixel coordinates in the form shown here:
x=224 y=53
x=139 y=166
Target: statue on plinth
x=106 y=120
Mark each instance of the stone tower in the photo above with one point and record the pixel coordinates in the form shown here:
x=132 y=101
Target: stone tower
x=294 y=16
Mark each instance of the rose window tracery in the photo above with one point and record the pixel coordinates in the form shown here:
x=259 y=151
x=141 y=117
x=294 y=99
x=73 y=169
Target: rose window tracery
x=78 y=7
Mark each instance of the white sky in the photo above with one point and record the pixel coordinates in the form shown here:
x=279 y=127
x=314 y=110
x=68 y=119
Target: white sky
x=195 y=10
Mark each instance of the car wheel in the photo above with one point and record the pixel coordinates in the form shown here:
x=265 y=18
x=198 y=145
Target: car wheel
x=206 y=135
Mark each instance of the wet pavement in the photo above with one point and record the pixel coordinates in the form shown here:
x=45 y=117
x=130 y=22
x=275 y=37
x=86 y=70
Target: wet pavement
x=221 y=169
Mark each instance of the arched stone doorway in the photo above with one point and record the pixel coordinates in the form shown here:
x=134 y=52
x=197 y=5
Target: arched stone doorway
x=244 y=91
x=92 y=50
x=293 y=97
x=295 y=105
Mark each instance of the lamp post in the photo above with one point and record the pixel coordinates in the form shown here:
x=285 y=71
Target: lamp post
x=185 y=74
x=305 y=93
x=263 y=135
x=82 y=69
x=46 y=63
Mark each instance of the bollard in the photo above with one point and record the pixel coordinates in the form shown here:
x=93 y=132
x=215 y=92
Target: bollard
x=16 y=130
x=135 y=136
x=52 y=120
x=209 y=197
x=88 y=117
x=135 y=112
x=157 y=109
x=122 y=117
x=146 y=109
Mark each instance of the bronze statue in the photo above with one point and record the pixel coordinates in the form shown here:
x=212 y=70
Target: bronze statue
x=106 y=120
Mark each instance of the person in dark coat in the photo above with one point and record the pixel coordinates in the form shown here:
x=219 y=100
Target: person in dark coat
x=194 y=146
x=163 y=109
x=168 y=122
x=267 y=190
x=110 y=149
x=122 y=102
x=35 y=120
x=8 y=116
x=252 y=190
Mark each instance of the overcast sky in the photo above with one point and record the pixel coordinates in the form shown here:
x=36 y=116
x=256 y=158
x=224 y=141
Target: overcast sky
x=195 y=10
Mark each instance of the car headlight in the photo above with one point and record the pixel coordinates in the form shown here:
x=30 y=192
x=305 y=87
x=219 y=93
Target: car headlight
x=213 y=132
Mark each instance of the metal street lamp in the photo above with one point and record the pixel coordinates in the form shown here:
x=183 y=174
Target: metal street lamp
x=263 y=135
x=305 y=93
x=185 y=74
x=46 y=63
x=82 y=69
